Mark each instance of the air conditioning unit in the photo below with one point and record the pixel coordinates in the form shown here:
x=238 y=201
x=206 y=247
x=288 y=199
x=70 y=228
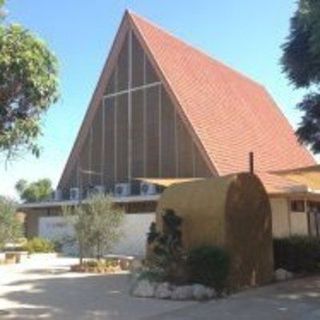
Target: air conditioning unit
x=74 y=194
x=95 y=190
x=122 y=189
x=147 y=189
x=99 y=189
x=57 y=195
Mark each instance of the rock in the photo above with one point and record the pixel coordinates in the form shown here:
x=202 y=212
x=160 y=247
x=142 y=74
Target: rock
x=144 y=289
x=163 y=291
x=201 y=292
x=182 y=293
x=211 y=293
x=282 y=274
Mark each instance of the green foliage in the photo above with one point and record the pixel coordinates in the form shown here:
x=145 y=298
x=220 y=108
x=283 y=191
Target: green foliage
x=38 y=245
x=169 y=242
x=301 y=63
x=297 y=254
x=153 y=275
x=10 y=227
x=209 y=265
x=58 y=245
x=28 y=86
x=167 y=255
x=308 y=131
x=168 y=261
x=36 y=191
x=2 y=10
x=97 y=225
x=153 y=234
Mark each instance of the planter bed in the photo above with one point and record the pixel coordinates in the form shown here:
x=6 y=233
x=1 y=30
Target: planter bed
x=12 y=257
x=109 y=264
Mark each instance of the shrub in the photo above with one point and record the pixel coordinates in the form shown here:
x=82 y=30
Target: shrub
x=97 y=225
x=39 y=245
x=297 y=254
x=209 y=265
x=10 y=226
x=153 y=275
x=166 y=254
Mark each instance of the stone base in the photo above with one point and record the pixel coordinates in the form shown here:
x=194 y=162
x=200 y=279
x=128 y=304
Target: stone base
x=148 y=289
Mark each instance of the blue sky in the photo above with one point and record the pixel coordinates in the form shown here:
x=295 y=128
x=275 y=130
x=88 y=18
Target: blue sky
x=244 y=34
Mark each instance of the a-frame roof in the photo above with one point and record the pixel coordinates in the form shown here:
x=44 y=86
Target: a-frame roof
x=228 y=114
x=231 y=114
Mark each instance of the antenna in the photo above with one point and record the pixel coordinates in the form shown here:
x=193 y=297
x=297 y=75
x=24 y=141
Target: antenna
x=251 y=162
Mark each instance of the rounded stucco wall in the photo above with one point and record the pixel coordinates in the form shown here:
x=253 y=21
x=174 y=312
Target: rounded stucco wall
x=249 y=232
x=232 y=212
x=201 y=204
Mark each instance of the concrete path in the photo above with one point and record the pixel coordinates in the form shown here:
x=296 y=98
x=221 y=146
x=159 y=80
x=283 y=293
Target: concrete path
x=45 y=289
x=292 y=300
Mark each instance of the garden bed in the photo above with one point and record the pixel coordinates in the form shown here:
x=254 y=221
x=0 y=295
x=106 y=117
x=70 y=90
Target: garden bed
x=13 y=257
x=107 y=265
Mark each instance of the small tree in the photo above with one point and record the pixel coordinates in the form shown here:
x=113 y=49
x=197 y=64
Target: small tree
x=35 y=191
x=97 y=225
x=10 y=226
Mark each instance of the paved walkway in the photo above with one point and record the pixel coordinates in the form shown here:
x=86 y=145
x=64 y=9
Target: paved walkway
x=46 y=290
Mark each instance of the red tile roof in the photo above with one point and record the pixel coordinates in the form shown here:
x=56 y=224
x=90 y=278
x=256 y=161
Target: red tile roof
x=230 y=114
x=275 y=184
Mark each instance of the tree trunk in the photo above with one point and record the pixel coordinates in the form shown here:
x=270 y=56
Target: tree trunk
x=80 y=253
x=99 y=251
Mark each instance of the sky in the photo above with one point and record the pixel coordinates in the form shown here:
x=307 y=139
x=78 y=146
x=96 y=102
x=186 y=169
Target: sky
x=246 y=35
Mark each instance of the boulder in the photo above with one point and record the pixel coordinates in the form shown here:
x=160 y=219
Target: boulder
x=144 y=289
x=211 y=293
x=163 y=291
x=182 y=293
x=201 y=292
x=282 y=274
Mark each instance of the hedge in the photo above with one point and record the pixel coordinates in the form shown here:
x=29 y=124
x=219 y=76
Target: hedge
x=297 y=254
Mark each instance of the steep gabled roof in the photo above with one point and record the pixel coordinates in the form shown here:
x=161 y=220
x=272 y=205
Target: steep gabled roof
x=228 y=114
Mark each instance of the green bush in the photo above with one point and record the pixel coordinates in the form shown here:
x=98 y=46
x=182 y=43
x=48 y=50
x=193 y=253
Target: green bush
x=39 y=245
x=297 y=254
x=209 y=265
x=165 y=249
x=153 y=275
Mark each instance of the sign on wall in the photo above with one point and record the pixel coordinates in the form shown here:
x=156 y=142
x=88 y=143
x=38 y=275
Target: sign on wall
x=132 y=242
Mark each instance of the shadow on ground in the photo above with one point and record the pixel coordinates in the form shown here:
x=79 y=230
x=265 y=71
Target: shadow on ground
x=290 y=300
x=56 y=294
x=82 y=297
